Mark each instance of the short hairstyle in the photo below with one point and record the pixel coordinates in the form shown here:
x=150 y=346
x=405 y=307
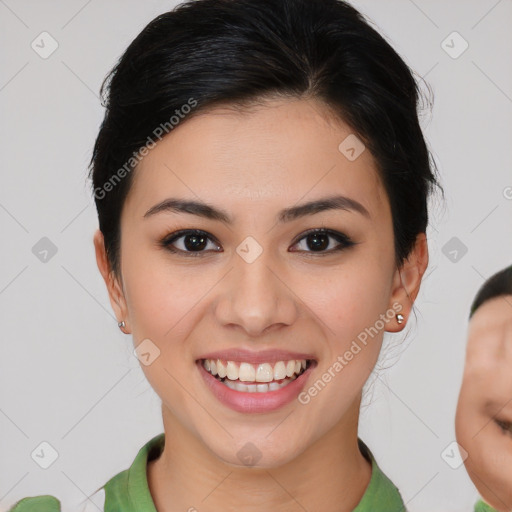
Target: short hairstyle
x=239 y=52
x=497 y=285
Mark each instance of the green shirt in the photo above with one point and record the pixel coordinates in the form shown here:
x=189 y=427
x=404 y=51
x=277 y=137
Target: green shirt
x=128 y=491
x=481 y=506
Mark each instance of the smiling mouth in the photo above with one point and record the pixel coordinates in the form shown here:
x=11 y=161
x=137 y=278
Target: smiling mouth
x=257 y=378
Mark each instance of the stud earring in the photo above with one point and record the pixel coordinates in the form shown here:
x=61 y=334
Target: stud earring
x=399 y=318
x=121 y=325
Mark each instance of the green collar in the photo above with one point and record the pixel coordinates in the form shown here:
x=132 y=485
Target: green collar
x=381 y=494
x=129 y=490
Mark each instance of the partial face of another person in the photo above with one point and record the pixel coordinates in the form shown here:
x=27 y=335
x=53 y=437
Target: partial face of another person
x=251 y=277
x=484 y=410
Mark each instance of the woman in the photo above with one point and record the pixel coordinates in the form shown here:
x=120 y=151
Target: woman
x=484 y=410
x=261 y=181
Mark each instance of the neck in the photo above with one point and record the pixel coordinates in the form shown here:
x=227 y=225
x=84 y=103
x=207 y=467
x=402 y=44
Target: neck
x=330 y=475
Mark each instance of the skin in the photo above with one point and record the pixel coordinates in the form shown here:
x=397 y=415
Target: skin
x=253 y=164
x=485 y=398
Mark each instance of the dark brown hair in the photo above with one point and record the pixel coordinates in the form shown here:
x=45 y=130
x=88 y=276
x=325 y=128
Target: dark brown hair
x=239 y=51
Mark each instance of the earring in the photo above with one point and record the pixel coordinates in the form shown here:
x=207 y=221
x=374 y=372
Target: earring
x=399 y=318
x=121 y=325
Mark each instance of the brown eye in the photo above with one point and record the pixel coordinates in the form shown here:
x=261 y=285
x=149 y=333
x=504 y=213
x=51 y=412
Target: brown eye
x=193 y=242
x=319 y=240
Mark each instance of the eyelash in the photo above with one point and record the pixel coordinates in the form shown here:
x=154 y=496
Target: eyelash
x=344 y=241
x=504 y=426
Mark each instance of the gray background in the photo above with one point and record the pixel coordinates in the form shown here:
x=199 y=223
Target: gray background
x=68 y=375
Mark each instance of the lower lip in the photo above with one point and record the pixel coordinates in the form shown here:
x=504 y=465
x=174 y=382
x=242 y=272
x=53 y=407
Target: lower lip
x=242 y=401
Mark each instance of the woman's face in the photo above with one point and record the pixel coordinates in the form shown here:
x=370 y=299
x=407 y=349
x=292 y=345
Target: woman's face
x=484 y=410
x=253 y=283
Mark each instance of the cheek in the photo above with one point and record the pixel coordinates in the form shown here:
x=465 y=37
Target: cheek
x=161 y=296
x=348 y=308
x=353 y=299
x=461 y=420
x=490 y=460
x=489 y=451
x=469 y=416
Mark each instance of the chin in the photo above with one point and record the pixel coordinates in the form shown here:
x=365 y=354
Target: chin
x=268 y=454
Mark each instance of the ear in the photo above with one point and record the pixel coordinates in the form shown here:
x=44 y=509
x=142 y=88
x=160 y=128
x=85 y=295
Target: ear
x=406 y=282
x=115 y=290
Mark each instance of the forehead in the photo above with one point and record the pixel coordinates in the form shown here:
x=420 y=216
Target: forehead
x=491 y=323
x=279 y=150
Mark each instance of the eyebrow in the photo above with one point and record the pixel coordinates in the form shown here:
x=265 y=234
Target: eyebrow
x=492 y=406
x=288 y=214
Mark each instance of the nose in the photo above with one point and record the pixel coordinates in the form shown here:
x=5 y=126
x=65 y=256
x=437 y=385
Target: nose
x=256 y=297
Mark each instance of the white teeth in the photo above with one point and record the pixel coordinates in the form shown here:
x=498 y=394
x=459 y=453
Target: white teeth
x=247 y=372
x=262 y=373
x=232 y=371
x=221 y=369
x=241 y=387
x=279 y=371
x=257 y=388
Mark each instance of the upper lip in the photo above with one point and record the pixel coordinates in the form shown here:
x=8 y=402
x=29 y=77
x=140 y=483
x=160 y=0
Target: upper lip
x=241 y=355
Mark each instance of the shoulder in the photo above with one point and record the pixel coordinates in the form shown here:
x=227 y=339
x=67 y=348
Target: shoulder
x=43 y=503
x=127 y=490
x=48 y=503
